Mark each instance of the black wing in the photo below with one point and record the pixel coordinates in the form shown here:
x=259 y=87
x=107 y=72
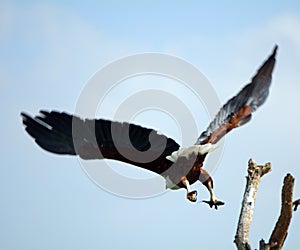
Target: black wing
x=237 y=111
x=61 y=133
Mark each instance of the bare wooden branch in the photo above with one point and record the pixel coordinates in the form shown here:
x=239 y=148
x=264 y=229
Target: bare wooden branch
x=263 y=245
x=255 y=172
x=296 y=203
x=280 y=231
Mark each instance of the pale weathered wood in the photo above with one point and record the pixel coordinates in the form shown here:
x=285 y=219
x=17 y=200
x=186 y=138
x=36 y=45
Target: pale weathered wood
x=255 y=172
x=280 y=231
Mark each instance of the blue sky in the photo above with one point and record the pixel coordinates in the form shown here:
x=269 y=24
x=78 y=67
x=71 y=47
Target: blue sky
x=49 y=50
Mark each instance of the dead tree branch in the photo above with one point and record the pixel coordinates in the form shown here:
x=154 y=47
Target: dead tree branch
x=296 y=203
x=280 y=231
x=255 y=172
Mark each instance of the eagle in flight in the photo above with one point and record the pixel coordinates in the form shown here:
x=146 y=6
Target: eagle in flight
x=62 y=133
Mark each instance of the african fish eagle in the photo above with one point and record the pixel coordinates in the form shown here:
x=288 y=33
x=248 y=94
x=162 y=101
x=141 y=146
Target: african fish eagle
x=102 y=139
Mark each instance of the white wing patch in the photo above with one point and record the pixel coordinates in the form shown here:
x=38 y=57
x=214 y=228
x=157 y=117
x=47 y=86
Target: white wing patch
x=195 y=149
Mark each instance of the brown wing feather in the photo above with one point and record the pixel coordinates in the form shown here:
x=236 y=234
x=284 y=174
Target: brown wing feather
x=238 y=110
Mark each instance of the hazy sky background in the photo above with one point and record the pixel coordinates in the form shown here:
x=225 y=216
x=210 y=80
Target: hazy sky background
x=48 y=52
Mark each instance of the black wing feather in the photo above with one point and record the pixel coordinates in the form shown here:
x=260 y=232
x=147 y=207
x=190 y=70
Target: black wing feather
x=62 y=133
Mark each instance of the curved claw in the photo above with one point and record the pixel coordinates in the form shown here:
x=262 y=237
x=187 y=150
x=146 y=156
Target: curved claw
x=192 y=196
x=214 y=204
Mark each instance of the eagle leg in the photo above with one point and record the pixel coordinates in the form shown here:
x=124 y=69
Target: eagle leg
x=191 y=195
x=213 y=202
x=207 y=181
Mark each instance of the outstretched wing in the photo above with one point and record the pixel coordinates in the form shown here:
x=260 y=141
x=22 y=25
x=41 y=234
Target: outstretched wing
x=61 y=133
x=238 y=110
